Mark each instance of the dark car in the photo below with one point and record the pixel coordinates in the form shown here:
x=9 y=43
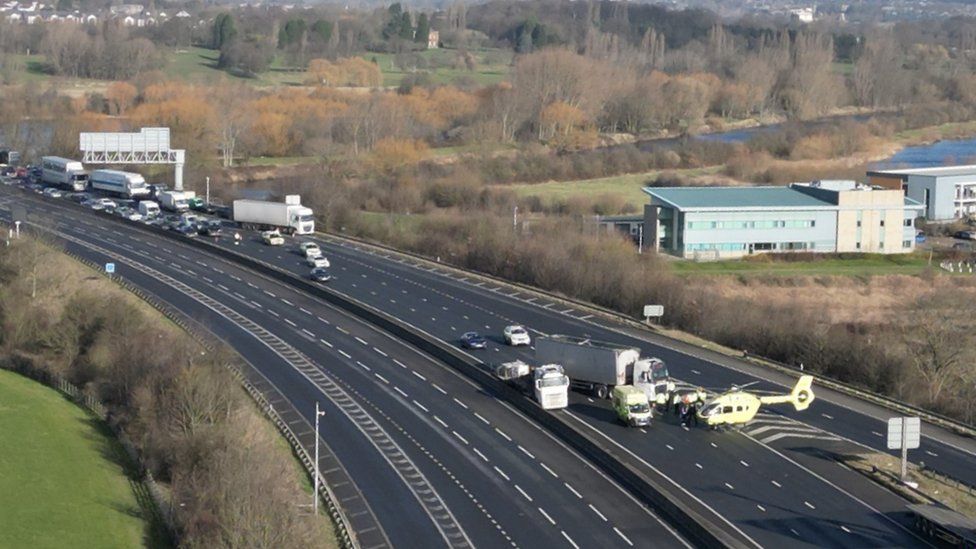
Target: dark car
x=472 y=340
x=186 y=229
x=212 y=228
x=965 y=235
x=320 y=274
x=80 y=197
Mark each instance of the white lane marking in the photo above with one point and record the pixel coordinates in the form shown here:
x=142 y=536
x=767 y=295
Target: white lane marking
x=367 y=368
x=776 y=484
x=502 y=433
x=477 y=415
x=729 y=486
x=461 y=404
x=669 y=447
x=524 y=494
x=290 y=323
x=252 y=285
x=877 y=434
x=326 y=343
x=808 y=504
x=502 y=473
x=696 y=372
x=418 y=374
x=846 y=529
x=308 y=332
x=383 y=379
x=270 y=294
x=526 y=452
x=379 y=351
x=208 y=280
x=286 y=302
x=482 y=456
x=545 y=514
x=398 y=363
x=462 y=439
x=569 y=539
x=399 y=390
x=761 y=508
x=548 y=470
x=744 y=464
x=598 y=513
x=240 y=295
x=224 y=288
x=421 y=406
x=827 y=416
x=345 y=354
x=573 y=490
x=343 y=330
x=622 y=536
x=438 y=387
x=236 y=278
x=933 y=454
x=441 y=421
x=361 y=340
x=566 y=311
x=322 y=320
x=276 y=315
x=304 y=310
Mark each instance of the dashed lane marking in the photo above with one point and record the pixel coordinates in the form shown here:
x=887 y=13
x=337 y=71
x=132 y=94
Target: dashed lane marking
x=598 y=513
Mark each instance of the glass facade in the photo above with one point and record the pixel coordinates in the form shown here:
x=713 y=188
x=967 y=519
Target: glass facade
x=742 y=224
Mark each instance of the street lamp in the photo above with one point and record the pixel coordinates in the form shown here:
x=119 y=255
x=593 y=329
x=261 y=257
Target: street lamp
x=515 y=219
x=208 y=190
x=315 y=493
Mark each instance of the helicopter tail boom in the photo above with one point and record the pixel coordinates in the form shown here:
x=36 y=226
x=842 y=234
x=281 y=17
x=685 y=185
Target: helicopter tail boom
x=800 y=397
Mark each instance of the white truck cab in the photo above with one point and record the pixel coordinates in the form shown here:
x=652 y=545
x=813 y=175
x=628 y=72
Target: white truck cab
x=551 y=387
x=651 y=376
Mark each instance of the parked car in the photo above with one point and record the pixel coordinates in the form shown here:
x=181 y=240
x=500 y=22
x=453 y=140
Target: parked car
x=317 y=261
x=920 y=237
x=965 y=235
x=473 y=340
x=320 y=274
x=517 y=335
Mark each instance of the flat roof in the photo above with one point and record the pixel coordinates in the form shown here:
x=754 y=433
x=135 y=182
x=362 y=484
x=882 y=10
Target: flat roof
x=694 y=198
x=940 y=171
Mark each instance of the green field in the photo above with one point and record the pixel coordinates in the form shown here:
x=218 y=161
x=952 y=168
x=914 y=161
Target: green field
x=444 y=66
x=62 y=484
x=867 y=265
x=627 y=186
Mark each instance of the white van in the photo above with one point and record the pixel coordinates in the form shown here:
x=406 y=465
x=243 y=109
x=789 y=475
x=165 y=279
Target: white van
x=148 y=209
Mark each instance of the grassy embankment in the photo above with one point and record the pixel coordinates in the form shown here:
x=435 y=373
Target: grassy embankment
x=66 y=481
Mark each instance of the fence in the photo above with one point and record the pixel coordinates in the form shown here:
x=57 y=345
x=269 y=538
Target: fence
x=966 y=266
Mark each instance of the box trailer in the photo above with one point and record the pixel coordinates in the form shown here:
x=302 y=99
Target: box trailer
x=288 y=216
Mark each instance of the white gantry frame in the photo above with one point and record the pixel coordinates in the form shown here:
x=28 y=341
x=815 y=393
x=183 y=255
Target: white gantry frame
x=149 y=146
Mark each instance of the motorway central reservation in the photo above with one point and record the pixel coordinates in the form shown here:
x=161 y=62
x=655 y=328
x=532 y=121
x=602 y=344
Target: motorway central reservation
x=820 y=216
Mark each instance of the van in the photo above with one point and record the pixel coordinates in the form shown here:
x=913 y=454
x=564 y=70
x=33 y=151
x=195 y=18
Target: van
x=631 y=406
x=148 y=209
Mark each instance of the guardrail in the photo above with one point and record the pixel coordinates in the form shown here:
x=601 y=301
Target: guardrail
x=202 y=336
x=954 y=425
x=688 y=518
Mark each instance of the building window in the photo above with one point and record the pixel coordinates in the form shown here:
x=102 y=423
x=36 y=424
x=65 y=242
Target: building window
x=906 y=243
x=858 y=245
x=858 y=222
x=909 y=222
x=882 y=222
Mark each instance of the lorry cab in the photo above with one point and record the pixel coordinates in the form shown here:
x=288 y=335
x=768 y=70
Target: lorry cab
x=631 y=405
x=303 y=221
x=551 y=387
x=148 y=208
x=651 y=376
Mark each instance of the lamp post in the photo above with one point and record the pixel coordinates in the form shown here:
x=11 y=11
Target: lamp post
x=208 y=190
x=515 y=219
x=315 y=492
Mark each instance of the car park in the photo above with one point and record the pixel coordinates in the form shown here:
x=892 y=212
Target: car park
x=517 y=335
x=317 y=261
x=473 y=340
x=320 y=274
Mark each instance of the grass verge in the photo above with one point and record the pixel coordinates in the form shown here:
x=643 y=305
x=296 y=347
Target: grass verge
x=867 y=265
x=65 y=479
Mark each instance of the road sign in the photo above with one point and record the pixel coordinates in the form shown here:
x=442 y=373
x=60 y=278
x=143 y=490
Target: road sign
x=912 y=429
x=653 y=310
x=110 y=268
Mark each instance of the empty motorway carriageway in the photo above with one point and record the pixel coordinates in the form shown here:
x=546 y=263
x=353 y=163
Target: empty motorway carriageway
x=435 y=460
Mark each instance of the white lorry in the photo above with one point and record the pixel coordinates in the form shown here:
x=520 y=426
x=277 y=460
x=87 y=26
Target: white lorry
x=148 y=209
x=598 y=367
x=548 y=383
x=289 y=216
x=174 y=201
x=127 y=184
x=63 y=172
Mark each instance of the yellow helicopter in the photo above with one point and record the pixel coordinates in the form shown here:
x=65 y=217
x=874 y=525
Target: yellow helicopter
x=737 y=407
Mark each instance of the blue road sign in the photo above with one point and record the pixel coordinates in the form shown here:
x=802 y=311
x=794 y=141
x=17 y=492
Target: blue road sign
x=110 y=268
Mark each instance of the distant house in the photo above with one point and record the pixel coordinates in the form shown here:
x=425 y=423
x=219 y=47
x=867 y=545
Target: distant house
x=433 y=40
x=803 y=15
x=127 y=9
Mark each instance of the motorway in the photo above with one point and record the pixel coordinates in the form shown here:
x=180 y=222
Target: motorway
x=437 y=461
x=775 y=482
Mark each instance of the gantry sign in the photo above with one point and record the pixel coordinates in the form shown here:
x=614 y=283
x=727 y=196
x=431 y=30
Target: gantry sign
x=149 y=146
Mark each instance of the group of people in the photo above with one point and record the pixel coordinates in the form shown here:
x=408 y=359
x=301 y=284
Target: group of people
x=686 y=404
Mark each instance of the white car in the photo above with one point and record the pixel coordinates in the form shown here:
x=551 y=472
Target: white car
x=107 y=203
x=310 y=249
x=53 y=193
x=517 y=335
x=317 y=261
